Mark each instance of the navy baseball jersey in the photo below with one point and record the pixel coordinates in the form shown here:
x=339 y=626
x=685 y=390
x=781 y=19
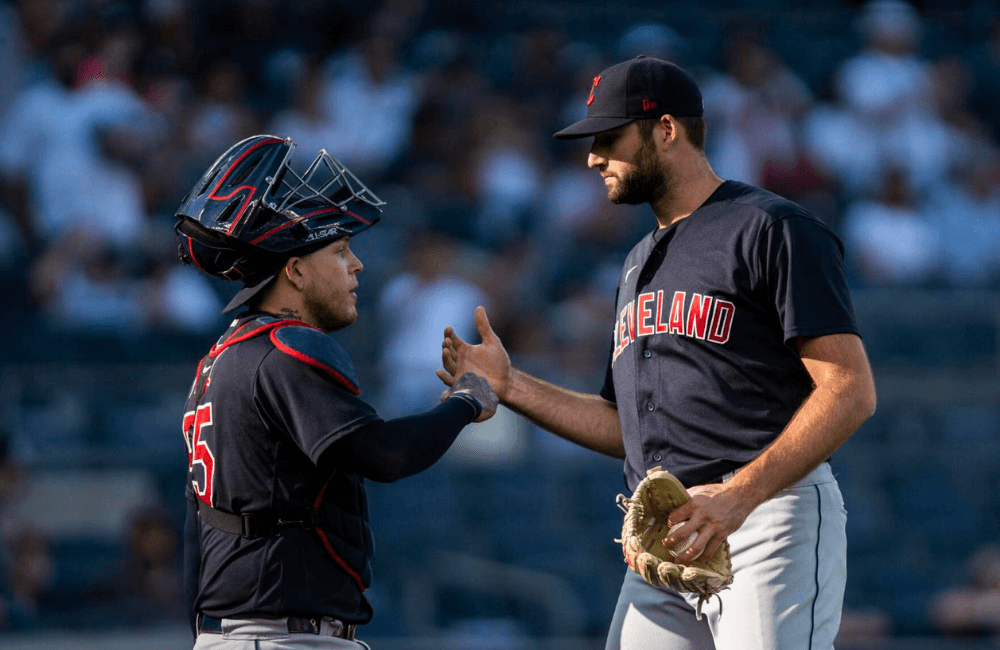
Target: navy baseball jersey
x=269 y=399
x=704 y=367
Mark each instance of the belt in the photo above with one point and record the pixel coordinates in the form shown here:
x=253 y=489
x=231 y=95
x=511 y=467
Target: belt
x=322 y=625
x=728 y=476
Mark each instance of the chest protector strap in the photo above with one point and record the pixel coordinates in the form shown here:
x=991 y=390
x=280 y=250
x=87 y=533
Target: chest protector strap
x=263 y=523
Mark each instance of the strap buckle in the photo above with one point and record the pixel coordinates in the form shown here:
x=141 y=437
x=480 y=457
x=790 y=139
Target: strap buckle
x=310 y=520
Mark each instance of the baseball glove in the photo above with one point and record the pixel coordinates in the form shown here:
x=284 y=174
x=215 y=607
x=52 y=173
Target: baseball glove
x=645 y=528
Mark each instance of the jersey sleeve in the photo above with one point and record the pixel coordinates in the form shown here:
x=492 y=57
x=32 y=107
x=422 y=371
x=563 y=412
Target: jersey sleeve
x=313 y=407
x=802 y=264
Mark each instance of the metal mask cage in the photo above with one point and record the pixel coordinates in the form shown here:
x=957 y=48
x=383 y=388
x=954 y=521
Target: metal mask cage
x=326 y=180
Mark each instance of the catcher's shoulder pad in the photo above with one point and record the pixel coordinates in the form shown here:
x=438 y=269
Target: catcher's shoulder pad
x=246 y=331
x=312 y=347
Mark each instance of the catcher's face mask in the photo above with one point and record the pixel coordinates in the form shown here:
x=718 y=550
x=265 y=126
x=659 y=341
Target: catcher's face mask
x=250 y=211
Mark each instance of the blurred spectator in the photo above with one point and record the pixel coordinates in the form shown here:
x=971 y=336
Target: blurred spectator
x=370 y=97
x=938 y=133
x=890 y=241
x=29 y=574
x=415 y=307
x=571 y=197
x=30 y=130
x=974 y=607
x=846 y=148
x=983 y=59
x=507 y=173
x=881 y=95
x=440 y=167
x=43 y=22
x=182 y=301
x=177 y=298
x=863 y=627
x=13 y=246
x=151 y=577
x=221 y=113
x=652 y=39
x=304 y=120
x=117 y=51
x=13 y=52
x=965 y=211
x=887 y=78
x=11 y=475
x=112 y=127
x=753 y=111
x=83 y=284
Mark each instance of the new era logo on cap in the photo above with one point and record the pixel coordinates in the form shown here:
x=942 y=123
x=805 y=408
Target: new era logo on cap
x=593 y=89
x=642 y=87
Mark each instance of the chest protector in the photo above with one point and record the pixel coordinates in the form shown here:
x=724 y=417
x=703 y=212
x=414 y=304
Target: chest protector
x=338 y=514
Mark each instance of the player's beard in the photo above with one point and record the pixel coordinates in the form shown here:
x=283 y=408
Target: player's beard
x=647 y=182
x=329 y=313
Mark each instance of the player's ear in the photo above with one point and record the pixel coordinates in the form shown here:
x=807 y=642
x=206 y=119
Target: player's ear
x=294 y=272
x=668 y=130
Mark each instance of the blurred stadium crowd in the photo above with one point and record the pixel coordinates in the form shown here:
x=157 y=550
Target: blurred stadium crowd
x=881 y=117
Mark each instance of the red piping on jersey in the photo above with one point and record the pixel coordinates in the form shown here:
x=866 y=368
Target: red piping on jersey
x=326 y=542
x=219 y=347
x=252 y=189
x=308 y=216
x=315 y=363
x=197 y=380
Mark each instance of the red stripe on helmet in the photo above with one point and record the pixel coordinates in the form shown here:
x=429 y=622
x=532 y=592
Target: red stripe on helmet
x=308 y=216
x=273 y=230
x=238 y=161
x=234 y=165
x=193 y=258
x=359 y=218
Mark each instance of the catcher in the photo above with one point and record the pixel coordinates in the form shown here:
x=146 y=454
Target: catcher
x=278 y=545
x=735 y=364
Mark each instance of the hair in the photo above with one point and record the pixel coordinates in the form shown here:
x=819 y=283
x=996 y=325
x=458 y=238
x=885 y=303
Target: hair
x=693 y=126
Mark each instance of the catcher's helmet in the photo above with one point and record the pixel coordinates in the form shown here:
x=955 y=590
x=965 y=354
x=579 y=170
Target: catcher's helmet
x=250 y=212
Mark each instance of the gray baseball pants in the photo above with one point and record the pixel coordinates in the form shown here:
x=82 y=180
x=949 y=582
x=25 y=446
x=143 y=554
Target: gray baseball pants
x=789 y=575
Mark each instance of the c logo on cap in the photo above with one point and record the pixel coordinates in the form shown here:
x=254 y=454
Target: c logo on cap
x=597 y=82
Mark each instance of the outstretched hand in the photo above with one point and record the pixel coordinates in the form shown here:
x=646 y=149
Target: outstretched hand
x=488 y=359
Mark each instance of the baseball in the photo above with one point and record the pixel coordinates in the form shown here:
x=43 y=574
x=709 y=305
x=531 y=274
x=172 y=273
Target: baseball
x=684 y=544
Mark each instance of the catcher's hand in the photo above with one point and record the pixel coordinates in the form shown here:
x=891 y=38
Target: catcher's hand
x=476 y=391
x=643 y=533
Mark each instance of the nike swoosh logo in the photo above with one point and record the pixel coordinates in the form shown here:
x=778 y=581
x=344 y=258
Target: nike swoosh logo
x=205 y=369
x=629 y=272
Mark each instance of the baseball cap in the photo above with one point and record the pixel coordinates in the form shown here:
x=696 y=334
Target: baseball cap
x=642 y=87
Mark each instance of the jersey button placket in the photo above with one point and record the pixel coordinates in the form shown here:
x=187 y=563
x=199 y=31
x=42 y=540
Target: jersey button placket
x=647 y=354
